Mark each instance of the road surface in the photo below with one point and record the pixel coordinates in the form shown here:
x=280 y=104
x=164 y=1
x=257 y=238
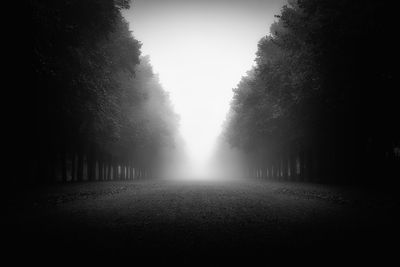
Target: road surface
x=190 y=221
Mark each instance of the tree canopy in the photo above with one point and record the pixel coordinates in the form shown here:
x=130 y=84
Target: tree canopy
x=322 y=88
x=92 y=96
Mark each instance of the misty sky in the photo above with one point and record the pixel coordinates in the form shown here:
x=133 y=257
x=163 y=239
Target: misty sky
x=201 y=49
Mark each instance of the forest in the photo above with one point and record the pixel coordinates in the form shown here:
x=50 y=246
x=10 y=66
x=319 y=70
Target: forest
x=320 y=104
x=96 y=109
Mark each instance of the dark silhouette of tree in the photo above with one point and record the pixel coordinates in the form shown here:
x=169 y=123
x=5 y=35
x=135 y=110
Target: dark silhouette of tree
x=90 y=99
x=320 y=103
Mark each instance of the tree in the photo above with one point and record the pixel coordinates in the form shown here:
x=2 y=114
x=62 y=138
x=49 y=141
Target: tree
x=85 y=94
x=312 y=96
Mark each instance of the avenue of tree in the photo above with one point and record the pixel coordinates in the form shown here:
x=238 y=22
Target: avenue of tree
x=321 y=104
x=96 y=109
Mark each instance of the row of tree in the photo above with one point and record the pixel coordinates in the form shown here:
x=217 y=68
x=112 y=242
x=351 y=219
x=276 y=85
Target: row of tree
x=321 y=103
x=96 y=109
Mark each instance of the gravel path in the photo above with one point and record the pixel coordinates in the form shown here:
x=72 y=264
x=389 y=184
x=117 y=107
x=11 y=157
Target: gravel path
x=190 y=221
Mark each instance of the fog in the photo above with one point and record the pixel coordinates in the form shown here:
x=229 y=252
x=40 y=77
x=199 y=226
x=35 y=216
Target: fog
x=200 y=49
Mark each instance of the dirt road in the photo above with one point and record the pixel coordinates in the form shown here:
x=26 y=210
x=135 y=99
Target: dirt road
x=193 y=220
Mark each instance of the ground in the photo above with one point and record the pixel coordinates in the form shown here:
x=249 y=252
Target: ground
x=194 y=220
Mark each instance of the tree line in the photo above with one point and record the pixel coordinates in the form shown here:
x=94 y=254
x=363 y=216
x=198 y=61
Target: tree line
x=96 y=110
x=321 y=103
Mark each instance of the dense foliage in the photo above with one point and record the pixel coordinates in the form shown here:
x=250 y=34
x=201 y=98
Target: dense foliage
x=97 y=110
x=321 y=104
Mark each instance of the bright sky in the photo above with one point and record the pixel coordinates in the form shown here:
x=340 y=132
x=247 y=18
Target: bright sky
x=201 y=49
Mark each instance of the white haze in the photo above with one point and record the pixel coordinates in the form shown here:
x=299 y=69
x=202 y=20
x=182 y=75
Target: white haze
x=201 y=49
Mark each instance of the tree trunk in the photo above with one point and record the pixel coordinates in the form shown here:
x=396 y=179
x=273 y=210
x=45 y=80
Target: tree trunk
x=64 y=174
x=115 y=171
x=279 y=168
x=73 y=167
x=105 y=170
x=91 y=167
x=309 y=166
x=284 y=167
x=80 y=167
x=131 y=177
x=109 y=169
x=99 y=170
x=128 y=172
x=293 y=167
x=302 y=166
x=272 y=171
x=52 y=163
